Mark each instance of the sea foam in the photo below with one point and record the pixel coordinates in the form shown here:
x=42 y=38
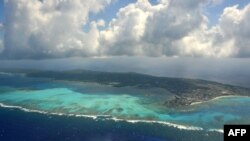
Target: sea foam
x=107 y=117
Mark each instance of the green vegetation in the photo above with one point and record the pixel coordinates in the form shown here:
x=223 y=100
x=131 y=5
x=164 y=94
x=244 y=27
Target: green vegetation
x=185 y=91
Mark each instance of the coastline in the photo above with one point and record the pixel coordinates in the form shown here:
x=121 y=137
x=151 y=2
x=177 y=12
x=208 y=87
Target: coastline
x=107 y=117
x=216 y=98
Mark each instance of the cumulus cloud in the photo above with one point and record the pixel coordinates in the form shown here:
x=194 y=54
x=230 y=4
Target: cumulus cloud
x=50 y=28
x=178 y=28
x=53 y=29
x=154 y=30
x=234 y=30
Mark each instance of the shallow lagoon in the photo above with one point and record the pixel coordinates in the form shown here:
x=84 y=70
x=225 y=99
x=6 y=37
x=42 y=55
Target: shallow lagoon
x=107 y=103
x=208 y=115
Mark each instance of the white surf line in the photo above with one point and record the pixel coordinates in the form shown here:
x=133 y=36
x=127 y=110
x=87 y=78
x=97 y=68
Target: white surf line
x=179 y=126
x=52 y=113
x=46 y=113
x=110 y=117
x=107 y=116
x=216 y=130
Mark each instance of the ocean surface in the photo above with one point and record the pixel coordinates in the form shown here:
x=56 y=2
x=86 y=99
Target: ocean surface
x=35 y=109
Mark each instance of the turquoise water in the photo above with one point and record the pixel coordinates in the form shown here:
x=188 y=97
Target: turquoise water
x=117 y=103
x=67 y=101
x=208 y=115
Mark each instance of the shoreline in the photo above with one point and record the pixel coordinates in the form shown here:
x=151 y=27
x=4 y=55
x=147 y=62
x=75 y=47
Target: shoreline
x=108 y=117
x=216 y=98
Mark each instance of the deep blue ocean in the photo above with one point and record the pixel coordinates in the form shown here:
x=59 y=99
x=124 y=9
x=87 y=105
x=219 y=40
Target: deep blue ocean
x=16 y=125
x=35 y=109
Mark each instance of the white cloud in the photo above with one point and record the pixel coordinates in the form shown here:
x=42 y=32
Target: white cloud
x=234 y=27
x=40 y=29
x=45 y=28
x=178 y=28
x=145 y=29
x=101 y=23
x=124 y=33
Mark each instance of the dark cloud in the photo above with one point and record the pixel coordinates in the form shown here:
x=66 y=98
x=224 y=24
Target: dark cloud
x=230 y=71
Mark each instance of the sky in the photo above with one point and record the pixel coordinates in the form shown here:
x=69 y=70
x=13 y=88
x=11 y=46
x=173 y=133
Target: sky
x=42 y=29
x=101 y=33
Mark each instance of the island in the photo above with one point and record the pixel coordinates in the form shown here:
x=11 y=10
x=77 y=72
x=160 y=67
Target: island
x=181 y=91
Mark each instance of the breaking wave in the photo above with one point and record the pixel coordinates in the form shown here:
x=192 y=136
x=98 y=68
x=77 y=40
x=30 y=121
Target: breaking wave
x=109 y=117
